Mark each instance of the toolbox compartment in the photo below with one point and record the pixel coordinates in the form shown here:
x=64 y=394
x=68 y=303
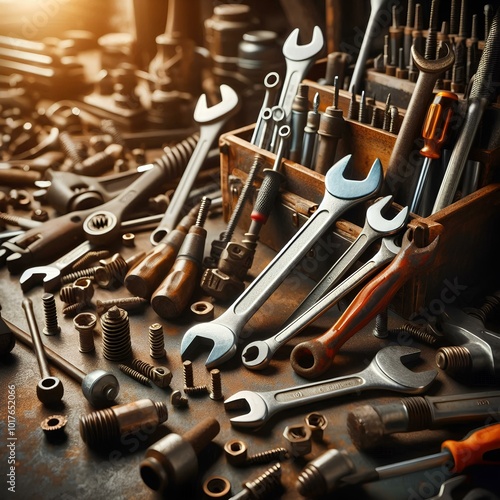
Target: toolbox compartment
x=466 y=258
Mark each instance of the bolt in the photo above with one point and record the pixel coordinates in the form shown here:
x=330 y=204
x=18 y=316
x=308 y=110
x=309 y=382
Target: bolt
x=90 y=257
x=116 y=343
x=156 y=341
x=263 y=486
x=85 y=324
x=73 y=309
x=139 y=377
x=161 y=466
x=187 y=370
x=237 y=454
x=105 y=427
x=129 y=304
x=82 y=273
x=424 y=334
x=49 y=389
x=49 y=308
x=216 y=385
x=159 y=375
x=196 y=390
x=15 y=220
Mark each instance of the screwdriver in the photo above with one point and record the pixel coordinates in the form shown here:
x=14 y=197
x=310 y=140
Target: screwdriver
x=334 y=469
x=172 y=296
x=435 y=134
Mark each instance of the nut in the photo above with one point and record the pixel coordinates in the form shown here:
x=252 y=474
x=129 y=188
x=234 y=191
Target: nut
x=84 y=289
x=298 y=439
x=53 y=427
x=236 y=452
x=128 y=239
x=317 y=423
x=203 y=310
x=162 y=376
x=217 y=487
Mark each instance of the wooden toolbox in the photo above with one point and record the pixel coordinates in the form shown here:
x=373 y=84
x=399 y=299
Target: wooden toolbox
x=466 y=259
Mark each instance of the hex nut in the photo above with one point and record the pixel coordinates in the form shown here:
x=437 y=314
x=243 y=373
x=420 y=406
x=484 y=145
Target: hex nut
x=203 y=310
x=317 y=422
x=236 y=452
x=162 y=376
x=298 y=440
x=53 y=427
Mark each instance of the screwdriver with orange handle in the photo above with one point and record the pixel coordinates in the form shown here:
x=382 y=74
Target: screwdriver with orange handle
x=481 y=446
x=435 y=134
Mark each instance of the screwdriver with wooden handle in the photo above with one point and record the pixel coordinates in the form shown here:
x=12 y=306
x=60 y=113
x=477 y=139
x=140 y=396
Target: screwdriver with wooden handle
x=334 y=469
x=173 y=294
x=435 y=134
x=145 y=277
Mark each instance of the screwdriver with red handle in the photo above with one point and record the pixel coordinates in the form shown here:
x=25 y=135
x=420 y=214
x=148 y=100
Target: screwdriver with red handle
x=480 y=446
x=435 y=134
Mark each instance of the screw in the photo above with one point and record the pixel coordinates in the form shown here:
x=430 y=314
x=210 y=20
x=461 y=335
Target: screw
x=49 y=389
x=126 y=303
x=15 y=220
x=90 y=257
x=104 y=427
x=380 y=329
x=82 y=273
x=196 y=390
x=73 y=309
x=156 y=341
x=177 y=400
x=49 y=308
x=160 y=375
x=187 y=370
x=139 y=377
x=216 y=385
x=236 y=452
x=85 y=324
x=263 y=486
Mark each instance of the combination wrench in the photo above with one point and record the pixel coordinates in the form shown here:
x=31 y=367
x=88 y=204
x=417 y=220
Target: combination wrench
x=340 y=195
x=386 y=372
x=376 y=226
x=258 y=354
x=299 y=58
x=211 y=121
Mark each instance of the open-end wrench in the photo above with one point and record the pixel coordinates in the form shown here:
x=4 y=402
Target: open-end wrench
x=376 y=227
x=211 y=120
x=50 y=275
x=299 y=58
x=386 y=372
x=372 y=31
x=340 y=195
x=312 y=358
x=258 y=354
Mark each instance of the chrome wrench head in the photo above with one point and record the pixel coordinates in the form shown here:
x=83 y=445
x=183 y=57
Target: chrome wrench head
x=228 y=105
x=224 y=337
x=295 y=52
x=379 y=223
x=385 y=371
x=49 y=276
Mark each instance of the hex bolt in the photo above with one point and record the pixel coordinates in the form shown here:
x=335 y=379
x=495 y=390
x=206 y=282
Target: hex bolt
x=50 y=313
x=156 y=341
x=177 y=400
x=49 y=390
x=99 y=387
x=173 y=459
x=216 y=385
x=298 y=439
x=317 y=423
x=106 y=427
x=84 y=324
x=159 y=375
x=263 y=486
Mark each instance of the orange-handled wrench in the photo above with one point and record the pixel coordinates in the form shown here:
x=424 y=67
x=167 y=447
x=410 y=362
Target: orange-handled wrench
x=312 y=358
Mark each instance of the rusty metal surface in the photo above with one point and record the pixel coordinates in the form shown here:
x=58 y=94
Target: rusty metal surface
x=70 y=469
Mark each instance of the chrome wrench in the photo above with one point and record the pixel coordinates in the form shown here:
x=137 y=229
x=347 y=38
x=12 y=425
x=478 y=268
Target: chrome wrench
x=386 y=372
x=340 y=195
x=258 y=354
x=376 y=226
x=299 y=58
x=211 y=120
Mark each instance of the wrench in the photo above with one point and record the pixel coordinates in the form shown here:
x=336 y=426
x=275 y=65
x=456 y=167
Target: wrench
x=376 y=226
x=50 y=275
x=211 y=121
x=386 y=371
x=258 y=354
x=312 y=358
x=340 y=195
x=299 y=58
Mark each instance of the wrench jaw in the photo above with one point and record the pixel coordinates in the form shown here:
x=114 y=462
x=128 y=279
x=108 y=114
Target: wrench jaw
x=222 y=339
x=258 y=411
x=50 y=277
x=227 y=107
x=295 y=52
x=352 y=189
x=377 y=220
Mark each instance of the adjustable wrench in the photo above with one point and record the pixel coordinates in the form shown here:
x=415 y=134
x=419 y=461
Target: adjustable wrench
x=386 y=371
x=340 y=195
x=312 y=358
x=376 y=226
x=258 y=354
x=211 y=121
x=299 y=58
